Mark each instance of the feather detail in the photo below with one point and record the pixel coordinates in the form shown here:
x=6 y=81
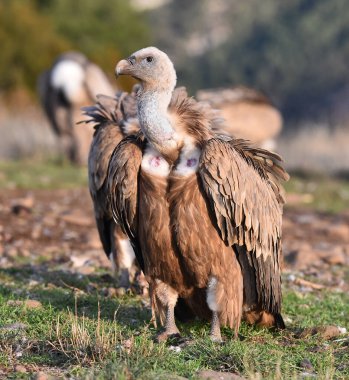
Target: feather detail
x=242 y=185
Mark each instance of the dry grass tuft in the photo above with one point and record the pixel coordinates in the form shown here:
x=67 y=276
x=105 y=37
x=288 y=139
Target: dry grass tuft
x=14 y=345
x=82 y=340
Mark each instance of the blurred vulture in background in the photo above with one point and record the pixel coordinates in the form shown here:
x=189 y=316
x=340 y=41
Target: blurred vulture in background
x=249 y=114
x=72 y=82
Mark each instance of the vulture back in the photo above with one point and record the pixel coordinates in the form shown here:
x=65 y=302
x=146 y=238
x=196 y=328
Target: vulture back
x=248 y=114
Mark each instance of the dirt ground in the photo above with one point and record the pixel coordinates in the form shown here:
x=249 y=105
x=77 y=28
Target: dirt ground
x=50 y=238
x=57 y=226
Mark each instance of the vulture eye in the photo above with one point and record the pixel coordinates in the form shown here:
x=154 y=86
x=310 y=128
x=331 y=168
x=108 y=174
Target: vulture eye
x=149 y=59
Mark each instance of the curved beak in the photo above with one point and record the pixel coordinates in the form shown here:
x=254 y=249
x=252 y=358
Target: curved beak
x=123 y=67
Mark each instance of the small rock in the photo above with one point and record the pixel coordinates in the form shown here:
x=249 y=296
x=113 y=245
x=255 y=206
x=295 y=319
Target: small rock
x=14 y=326
x=15 y=303
x=30 y=304
x=12 y=252
x=113 y=292
x=127 y=345
x=41 y=376
x=70 y=235
x=23 y=252
x=306 y=218
x=47 y=232
x=80 y=260
x=325 y=332
x=301 y=257
x=36 y=231
x=335 y=256
x=288 y=320
x=339 y=231
x=20 y=368
x=78 y=219
x=23 y=205
x=120 y=291
x=307 y=375
x=176 y=349
x=33 y=283
x=86 y=270
x=92 y=239
x=306 y=364
x=214 y=375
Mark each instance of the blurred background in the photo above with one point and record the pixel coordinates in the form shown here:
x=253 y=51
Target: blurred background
x=294 y=52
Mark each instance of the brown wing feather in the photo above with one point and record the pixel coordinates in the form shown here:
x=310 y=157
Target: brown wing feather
x=123 y=172
x=107 y=135
x=108 y=115
x=102 y=146
x=241 y=185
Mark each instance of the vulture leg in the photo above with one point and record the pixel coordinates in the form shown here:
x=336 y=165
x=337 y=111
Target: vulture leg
x=224 y=299
x=68 y=146
x=215 y=333
x=168 y=298
x=122 y=258
x=170 y=326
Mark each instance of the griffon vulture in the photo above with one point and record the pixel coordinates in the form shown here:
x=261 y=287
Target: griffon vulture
x=202 y=210
x=249 y=114
x=114 y=118
x=72 y=82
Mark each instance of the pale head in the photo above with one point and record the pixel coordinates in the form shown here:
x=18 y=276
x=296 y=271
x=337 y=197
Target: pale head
x=152 y=67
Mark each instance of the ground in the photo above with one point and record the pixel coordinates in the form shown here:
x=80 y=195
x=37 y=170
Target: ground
x=61 y=316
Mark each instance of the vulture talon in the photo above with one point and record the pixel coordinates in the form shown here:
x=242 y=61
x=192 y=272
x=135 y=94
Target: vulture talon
x=216 y=338
x=165 y=335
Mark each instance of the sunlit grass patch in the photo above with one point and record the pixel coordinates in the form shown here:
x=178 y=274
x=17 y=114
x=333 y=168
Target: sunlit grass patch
x=49 y=174
x=91 y=337
x=319 y=192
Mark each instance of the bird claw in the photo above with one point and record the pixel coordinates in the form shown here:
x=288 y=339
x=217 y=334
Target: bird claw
x=163 y=336
x=216 y=338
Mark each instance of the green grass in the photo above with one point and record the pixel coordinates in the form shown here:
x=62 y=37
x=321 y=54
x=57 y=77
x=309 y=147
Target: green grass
x=86 y=335
x=321 y=193
x=327 y=194
x=78 y=331
x=48 y=174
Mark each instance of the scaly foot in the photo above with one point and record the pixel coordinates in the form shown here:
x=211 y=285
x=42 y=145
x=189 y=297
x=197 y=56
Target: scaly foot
x=164 y=335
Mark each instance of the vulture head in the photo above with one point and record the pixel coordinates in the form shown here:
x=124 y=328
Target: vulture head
x=157 y=76
x=151 y=67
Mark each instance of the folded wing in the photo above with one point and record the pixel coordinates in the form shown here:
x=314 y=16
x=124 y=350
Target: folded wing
x=245 y=198
x=123 y=172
